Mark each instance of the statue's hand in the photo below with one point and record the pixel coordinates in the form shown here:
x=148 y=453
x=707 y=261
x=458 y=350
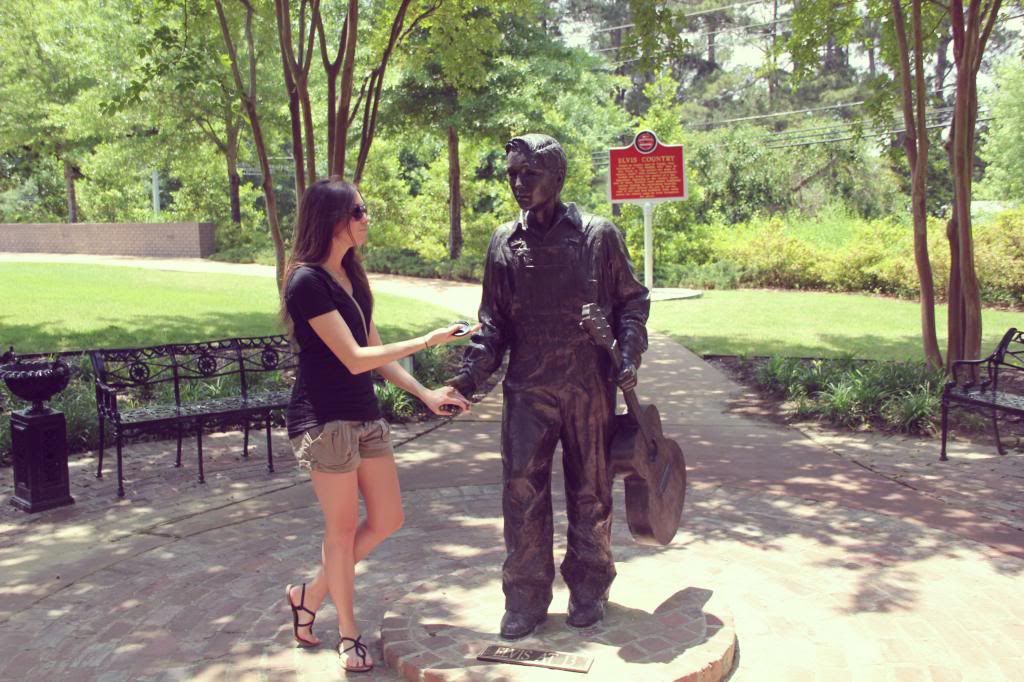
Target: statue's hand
x=626 y=378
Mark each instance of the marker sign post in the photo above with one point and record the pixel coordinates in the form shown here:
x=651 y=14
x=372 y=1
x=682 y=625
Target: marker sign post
x=646 y=173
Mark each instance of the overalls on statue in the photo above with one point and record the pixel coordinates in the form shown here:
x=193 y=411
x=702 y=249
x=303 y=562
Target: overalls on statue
x=557 y=389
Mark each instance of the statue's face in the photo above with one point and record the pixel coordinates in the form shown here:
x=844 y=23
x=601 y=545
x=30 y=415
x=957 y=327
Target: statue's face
x=532 y=184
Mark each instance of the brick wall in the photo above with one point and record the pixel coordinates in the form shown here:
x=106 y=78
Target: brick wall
x=163 y=240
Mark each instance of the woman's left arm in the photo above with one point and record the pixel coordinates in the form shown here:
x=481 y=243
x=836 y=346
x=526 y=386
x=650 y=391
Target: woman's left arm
x=394 y=373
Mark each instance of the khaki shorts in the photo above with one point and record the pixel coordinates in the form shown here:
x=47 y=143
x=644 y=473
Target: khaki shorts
x=338 y=447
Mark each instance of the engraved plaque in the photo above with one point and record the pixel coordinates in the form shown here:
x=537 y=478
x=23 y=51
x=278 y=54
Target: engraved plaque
x=542 y=659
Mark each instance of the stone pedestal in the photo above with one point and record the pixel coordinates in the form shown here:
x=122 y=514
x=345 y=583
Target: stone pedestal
x=436 y=633
x=39 y=443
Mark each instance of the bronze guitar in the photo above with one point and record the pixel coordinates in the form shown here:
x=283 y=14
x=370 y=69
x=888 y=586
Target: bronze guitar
x=653 y=467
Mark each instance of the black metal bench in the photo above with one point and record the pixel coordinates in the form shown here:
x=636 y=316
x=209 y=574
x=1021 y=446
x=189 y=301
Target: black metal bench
x=171 y=388
x=976 y=384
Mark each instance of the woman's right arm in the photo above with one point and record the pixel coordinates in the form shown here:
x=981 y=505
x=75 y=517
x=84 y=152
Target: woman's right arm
x=333 y=331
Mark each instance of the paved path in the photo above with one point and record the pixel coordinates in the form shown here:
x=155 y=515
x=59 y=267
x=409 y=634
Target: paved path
x=840 y=557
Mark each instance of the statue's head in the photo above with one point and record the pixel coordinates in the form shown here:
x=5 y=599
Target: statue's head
x=536 y=169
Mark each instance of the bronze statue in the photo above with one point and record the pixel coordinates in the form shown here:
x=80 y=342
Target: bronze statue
x=559 y=387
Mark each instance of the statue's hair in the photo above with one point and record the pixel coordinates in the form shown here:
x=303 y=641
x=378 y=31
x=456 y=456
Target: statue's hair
x=544 y=147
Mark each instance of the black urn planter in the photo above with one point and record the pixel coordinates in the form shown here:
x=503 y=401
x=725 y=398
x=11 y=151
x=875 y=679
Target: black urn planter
x=38 y=434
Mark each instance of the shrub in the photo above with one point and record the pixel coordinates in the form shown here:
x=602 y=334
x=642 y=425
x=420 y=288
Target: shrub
x=716 y=275
x=999 y=258
x=399 y=261
x=435 y=365
x=396 y=404
x=769 y=257
x=846 y=392
x=912 y=410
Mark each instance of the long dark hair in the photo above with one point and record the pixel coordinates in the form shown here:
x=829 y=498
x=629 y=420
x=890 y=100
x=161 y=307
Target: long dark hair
x=324 y=204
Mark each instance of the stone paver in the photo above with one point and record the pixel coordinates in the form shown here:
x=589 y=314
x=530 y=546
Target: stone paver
x=838 y=556
x=437 y=632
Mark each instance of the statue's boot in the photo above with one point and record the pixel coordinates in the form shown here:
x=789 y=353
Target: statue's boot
x=518 y=625
x=583 y=615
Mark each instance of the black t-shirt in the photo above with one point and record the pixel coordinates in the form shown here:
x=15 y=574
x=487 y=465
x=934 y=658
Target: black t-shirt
x=324 y=389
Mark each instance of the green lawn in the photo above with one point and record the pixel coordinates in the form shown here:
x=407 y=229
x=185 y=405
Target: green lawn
x=50 y=307
x=813 y=324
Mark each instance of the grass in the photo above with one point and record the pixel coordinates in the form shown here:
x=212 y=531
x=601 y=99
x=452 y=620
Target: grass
x=50 y=307
x=56 y=307
x=808 y=324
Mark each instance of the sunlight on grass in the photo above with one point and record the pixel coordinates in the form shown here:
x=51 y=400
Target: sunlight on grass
x=812 y=324
x=50 y=307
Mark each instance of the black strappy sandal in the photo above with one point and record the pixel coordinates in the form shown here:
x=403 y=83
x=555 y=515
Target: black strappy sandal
x=304 y=643
x=361 y=652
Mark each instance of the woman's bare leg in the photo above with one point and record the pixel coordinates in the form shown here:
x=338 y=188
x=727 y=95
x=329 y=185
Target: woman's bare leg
x=378 y=482
x=338 y=495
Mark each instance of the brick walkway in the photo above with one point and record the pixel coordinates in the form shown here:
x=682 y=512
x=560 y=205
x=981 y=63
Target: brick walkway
x=833 y=557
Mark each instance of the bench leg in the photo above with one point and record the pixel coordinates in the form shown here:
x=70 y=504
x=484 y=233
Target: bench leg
x=199 y=443
x=99 y=463
x=995 y=427
x=245 y=439
x=120 y=471
x=270 y=450
x=177 y=461
x=945 y=429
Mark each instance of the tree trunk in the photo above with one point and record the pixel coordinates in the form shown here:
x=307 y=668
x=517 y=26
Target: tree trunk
x=295 y=118
x=307 y=127
x=70 y=175
x=247 y=95
x=970 y=33
x=915 y=144
x=268 y=193
x=375 y=87
x=344 y=102
x=955 y=312
x=962 y=165
x=234 y=179
x=454 y=196
x=941 y=65
x=712 y=24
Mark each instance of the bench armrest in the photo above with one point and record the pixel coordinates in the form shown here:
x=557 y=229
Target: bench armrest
x=970 y=367
x=106 y=399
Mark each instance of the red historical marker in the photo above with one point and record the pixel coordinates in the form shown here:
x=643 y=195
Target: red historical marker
x=646 y=171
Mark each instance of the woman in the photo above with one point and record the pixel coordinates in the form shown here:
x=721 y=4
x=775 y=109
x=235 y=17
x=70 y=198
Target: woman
x=334 y=421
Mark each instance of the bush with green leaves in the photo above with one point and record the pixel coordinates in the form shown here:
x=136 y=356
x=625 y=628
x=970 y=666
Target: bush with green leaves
x=768 y=255
x=395 y=404
x=904 y=396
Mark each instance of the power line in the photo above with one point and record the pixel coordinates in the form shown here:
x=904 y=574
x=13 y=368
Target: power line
x=687 y=16
x=706 y=34
x=875 y=133
x=821 y=135
x=780 y=113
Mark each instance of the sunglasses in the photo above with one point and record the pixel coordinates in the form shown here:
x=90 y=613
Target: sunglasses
x=359 y=211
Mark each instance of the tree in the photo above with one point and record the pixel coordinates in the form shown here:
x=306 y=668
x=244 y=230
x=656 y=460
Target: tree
x=1003 y=144
x=452 y=86
x=905 y=50
x=180 y=88
x=296 y=59
x=49 y=57
x=246 y=91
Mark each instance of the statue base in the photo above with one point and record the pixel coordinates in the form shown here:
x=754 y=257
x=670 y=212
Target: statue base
x=438 y=632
